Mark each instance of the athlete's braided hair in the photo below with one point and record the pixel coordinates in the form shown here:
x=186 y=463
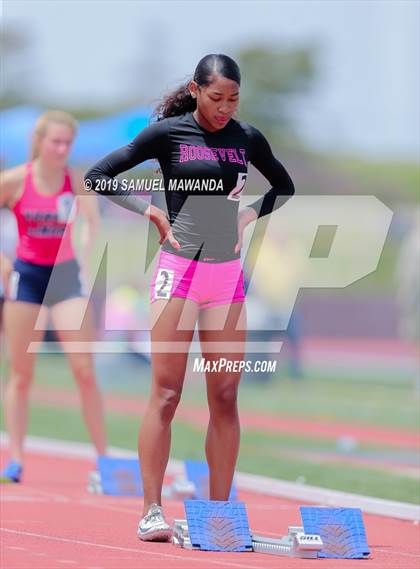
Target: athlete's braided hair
x=180 y=101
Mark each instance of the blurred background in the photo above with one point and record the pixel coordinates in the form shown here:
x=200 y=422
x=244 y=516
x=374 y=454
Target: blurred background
x=334 y=86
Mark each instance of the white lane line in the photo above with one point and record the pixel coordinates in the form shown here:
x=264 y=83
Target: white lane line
x=34 y=494
x=16 y=547
x=249 y=482
x=167 y=555
x=25 y=521
x=184 y=559
x=51 y=495
x=136 y=511
x=41 y=499
x=48 y=497
x=391 y=551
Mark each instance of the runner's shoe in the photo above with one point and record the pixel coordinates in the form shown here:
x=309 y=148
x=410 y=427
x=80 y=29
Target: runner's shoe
x=153 y=526
x=11 y=473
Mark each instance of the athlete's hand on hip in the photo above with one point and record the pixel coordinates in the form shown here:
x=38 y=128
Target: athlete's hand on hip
x=246 y=215
x=160 y=219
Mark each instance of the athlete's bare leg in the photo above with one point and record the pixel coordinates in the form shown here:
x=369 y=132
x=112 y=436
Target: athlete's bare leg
x=223 y=433
x=19 y=323
x=65 y=316
x=168 y=372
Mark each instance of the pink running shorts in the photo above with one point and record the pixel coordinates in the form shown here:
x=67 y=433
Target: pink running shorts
x=207 y=284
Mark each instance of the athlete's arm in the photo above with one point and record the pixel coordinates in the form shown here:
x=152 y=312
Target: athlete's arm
x=6 y=267
x=10 y=182
x=150 y=143
x=282 y=186
x=88 y=207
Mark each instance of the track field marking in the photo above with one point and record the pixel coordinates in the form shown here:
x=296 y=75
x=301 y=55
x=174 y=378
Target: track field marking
x=222 y=563
x=403 y=553
x=167 y=555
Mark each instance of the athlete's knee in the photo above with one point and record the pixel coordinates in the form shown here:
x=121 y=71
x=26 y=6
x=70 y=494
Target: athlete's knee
x=166 y=401
x=84 y=375
x=224 y=400
x=20 y=378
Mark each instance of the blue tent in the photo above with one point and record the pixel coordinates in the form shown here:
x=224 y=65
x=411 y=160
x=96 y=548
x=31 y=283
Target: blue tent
x=16 y=125
x=96 y=137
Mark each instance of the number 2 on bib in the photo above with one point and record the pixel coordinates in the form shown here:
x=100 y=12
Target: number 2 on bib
x=235 y=194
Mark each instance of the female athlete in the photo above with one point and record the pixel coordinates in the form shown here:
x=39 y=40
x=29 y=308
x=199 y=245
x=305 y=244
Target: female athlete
x=44 y=279
x=203 y=152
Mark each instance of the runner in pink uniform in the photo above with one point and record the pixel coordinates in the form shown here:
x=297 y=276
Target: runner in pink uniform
x=45 y=222
x=44 y=279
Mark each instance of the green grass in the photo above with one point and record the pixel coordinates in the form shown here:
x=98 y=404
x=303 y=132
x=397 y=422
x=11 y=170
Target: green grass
x=260 y=453
x=370 y=401
x=381 y=281
x=388 y=404
x=393 y=180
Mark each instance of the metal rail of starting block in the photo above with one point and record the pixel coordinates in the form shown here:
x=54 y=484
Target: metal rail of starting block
x=94 y=483
x=295 y=544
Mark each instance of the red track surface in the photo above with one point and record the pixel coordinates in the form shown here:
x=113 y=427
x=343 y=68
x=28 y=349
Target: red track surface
x=50 y=521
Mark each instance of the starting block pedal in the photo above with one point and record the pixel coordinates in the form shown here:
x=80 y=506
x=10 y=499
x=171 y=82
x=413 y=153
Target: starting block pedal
x=116 y=477
x=341 y=529
x=213 y=526
x=197 y=472
x=180 y=489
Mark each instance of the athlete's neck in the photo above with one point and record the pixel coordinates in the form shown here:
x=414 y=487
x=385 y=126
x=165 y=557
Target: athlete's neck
x=203 y=122
x=49 y=175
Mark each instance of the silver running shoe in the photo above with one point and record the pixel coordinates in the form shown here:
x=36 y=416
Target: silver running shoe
x=153 y=526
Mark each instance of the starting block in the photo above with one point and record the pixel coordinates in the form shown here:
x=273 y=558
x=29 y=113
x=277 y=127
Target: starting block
x=121 y=477
x=341 y=529
x=116 y=477
x=213 y=526
x=193 y=483
x=223 y=526
x=180 y=489
x=197 y=472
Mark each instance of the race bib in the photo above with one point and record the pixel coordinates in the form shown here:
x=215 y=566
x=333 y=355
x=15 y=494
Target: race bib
x=163 y=284
x=66 y=209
